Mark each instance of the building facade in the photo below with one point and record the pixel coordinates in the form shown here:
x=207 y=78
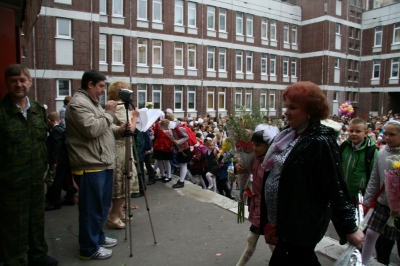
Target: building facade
x=205 y=56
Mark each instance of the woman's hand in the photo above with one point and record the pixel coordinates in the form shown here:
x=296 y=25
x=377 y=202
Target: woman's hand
x=356 y=239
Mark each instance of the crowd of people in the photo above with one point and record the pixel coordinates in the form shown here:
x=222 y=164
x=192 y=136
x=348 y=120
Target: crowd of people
x=304 y=173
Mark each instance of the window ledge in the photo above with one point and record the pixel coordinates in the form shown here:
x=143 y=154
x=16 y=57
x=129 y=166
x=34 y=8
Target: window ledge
x=395 y=46
x=157 y=22
x=142 y=19
x=118 y=64
x=64 y=38
x=157 y=66
x=103 y=63
x=117 y=16
x=144 y=66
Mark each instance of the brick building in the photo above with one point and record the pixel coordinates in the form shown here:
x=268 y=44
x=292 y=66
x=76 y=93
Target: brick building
x=207 y=55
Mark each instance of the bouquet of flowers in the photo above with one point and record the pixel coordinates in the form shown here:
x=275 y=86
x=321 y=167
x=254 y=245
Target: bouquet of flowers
x=149 y=105
x=392 y=187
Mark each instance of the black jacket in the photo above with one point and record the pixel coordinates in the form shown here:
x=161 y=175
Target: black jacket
x=57 y=146
x=312 y=190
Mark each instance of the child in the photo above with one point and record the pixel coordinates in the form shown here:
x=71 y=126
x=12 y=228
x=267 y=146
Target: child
x=196 y=165
x=163 y=149
x=212 y=167
x=377 y=223
x=58 y=159
x=226 y=166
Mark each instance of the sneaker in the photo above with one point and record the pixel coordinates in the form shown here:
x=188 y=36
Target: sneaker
x=100 y=254
x=109 y=242
x=46 y=261
x=179 y=184
x=167 y=179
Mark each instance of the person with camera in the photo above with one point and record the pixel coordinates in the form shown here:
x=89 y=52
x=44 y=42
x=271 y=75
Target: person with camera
x=91 y=137
x=23 y=162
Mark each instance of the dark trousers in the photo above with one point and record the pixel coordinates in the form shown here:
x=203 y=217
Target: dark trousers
x=149 y=167
x=62 y=181
x=222 y=187
x=384 y=248
x=288 y=254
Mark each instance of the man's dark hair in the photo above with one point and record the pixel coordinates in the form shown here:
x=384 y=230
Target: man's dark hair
x=16 y=70
x=91 y=75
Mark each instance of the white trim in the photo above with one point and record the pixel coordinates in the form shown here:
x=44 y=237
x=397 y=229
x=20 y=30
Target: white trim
x=71 y=14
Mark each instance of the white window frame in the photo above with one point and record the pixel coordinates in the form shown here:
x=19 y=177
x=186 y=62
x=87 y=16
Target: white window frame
x=117 y=42
x=210 y=58
x=238 y=95
x=376 y=64
x=178 y=47
x=222 y=20
x=294 y=34
x=239 y=22
x=285 y=66
x=286 y=33
x=337 y=31
x=118 y=13
x=337 y=62
x=157 y=45
x=264 y=28
x=178 y=10
x=248 y=99
x=142 y=45
x=264 y=64
x=191 y=91
x=59 y=22
x=272 y=30
x=210 y=93
x=141 y=91
x=103 y=48
x=272 y=65
x=249 y=62
x=210 y=18
x=263 y=99
x=192 y=13
x=157 y=17
x=378 y=36
x=239 y=56
x=222 y=60
x=103 y=7
x=58 y=88
x=271 y=100
x=396 y=31
x=178 y=91
x=157 y=89
x=142 y=4
x=249 y=25
x=222 y=93
x=395 y=64
x=293 y=67
x=192 y=52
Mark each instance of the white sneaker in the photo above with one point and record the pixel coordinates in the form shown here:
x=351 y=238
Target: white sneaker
x=109 y=242
x=100 y=254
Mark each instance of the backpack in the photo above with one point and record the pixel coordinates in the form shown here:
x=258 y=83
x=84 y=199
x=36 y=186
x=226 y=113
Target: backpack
x=192 y=136
x=369 y=156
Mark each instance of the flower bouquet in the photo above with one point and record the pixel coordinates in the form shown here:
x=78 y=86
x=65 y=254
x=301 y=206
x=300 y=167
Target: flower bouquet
x=149 y=105
x=392 y=187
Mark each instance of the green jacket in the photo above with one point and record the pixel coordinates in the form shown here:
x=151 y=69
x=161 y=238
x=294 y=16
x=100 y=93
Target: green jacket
x=23 y=155
x=354 y=167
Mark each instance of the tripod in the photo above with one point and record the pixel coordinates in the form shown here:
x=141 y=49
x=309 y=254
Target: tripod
x=128 y=176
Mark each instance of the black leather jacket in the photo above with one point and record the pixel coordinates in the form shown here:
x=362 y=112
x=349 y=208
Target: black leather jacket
x=312 y=190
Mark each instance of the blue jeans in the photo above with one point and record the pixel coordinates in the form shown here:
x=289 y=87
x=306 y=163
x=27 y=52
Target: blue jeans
x=95 y=192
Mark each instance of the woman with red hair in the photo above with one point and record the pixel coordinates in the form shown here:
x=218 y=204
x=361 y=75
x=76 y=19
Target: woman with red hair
x=305 y=188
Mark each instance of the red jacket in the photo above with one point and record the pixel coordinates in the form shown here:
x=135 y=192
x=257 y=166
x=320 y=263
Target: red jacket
x=162 y=142
x=255 y=203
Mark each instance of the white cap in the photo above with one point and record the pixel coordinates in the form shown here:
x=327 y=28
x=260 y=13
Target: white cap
x=169 y=110
x=269 y=131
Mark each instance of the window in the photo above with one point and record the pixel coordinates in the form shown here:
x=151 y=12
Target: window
x=239 y=64
x=222 y=20
x=142 y=9
x=294 y=34
x=191 y=14
x=355 y=97
x=248 y=99
x=355 y=79
x=358 y=3
x=63 y=88
x=103 y=48
x=64 y=28
x=178 y=55
x=179 y=12
x=178 y=97
x=157 y=10
x=272 y=66
x=157 y=53
x=293 y=67
x=221 y=98
x=157 y=96
x=117 y=48
x=249 y=62
x=396 y=33
x=210 y=58
x=263 y=64
x=335 y=96
x=376 y=69
x=191 y=97
x=356 y=65
x=211 y=18
x=395 y=68
x=103 y=7
x=192 y=55
x=350 y=64
x=118 y=6
x=351 y=46
x=286 y=33
x=210 y=98
x=249 y=25
x=273 y=30
x=378 y=36
x=351 y=32
x=263 y=99
x=352 y=13
x=357 y=47
x=349 y=78
x=141 y=95
x=142 y=52
x=222 y=59
x=358 y=15
x=348 y=96
x=337 y=62
x=239 y=23
x=352 y=2
x=271 y=100
x=238 y=97
x=337 y=29
x=357 y=34
x=285 y=66
x=264 y=28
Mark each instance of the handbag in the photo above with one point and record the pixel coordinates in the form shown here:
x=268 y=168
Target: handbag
x=270 y=234
x=50 y=175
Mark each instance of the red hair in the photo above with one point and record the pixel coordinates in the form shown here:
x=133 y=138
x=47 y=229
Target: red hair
x=311 y=97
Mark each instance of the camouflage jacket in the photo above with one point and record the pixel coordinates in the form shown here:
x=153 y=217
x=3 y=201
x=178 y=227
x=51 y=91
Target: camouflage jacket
x=23 y=155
